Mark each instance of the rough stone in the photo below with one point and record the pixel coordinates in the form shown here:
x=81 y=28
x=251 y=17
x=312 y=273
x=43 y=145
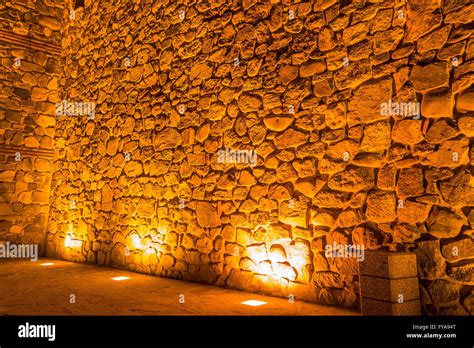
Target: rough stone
x=352 y=179
x=429 y=77
x=290 y=138
x=431 y=264
x=422 y=16
x=376 y=137
x=407 y=132
x=444 y=223
x=207 y=215
x=353 y=75
x=249 y=102
x=312 y=68
x=458 y=190
x=440 y=130
x=443 y=291
x=438 y=103
x=381 y=207
x=167 y=139
x=464 y=101
x=410 y=182
x=365 y=105
x=412 y=212
x=451 y=153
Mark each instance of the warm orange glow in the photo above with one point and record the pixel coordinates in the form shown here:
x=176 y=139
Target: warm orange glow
x=254 y=303
x=47 y=264
x=120 y=278
x=72 y=243
x=136 y=241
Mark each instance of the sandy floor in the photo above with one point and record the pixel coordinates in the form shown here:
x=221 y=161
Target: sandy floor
x=27 y=288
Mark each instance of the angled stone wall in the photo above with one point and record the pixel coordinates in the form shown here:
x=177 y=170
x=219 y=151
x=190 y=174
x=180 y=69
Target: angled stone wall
x=29 y=86
x=233 y=141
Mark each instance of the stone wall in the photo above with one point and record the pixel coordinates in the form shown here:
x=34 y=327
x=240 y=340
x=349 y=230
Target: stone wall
x=153 y=183
x=29 y=51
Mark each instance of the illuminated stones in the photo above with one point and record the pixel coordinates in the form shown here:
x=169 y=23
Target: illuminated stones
x=249 y=102
x=381 y=206
x=376 y=137
x=422 y=16
x=331 y=163
x=107 y=198
x=440 y=130
x=50 y=22
x=335 y=115
x=294 y=212
x=133 y=168
x=466 y=125
x=288 y=74
x=353 y=75
x=365 y=105
x=352 y=179
x=312 y=68
x=434 y=40
x=326 y=39
x=207 y=215
x=410 y=182
x=465 y=101
x=201 y=71
x=290 y=138
x=387 y=40
x=444 y=223
x=430 y=76
x=458 y=190
x=461 y=248
x=412 y=212
x=355 y=33
x=328 y=279
x=330 y=199
x=438 y=103
x=450 y=154
x=166 y=139
x=146 y=208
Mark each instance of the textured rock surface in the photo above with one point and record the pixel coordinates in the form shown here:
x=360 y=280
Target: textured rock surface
x=165 y=174
x=29 y=87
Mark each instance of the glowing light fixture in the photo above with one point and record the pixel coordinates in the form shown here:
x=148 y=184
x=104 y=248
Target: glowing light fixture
x=254 y=303
x=120 y=278
x=47 y=264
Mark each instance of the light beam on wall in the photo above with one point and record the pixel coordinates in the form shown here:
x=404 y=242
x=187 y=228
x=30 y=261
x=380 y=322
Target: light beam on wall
x=72 y=243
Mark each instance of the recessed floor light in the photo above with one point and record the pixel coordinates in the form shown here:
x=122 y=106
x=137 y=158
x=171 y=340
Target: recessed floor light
x=47 y=264
x=120 y=278
x=253 y=303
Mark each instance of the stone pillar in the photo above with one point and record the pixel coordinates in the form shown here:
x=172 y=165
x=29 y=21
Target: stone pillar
x=389 y=284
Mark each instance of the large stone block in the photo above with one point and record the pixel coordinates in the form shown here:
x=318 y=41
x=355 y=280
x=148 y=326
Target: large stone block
x=380 y=308
x=390 y=290
x=390 y=265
